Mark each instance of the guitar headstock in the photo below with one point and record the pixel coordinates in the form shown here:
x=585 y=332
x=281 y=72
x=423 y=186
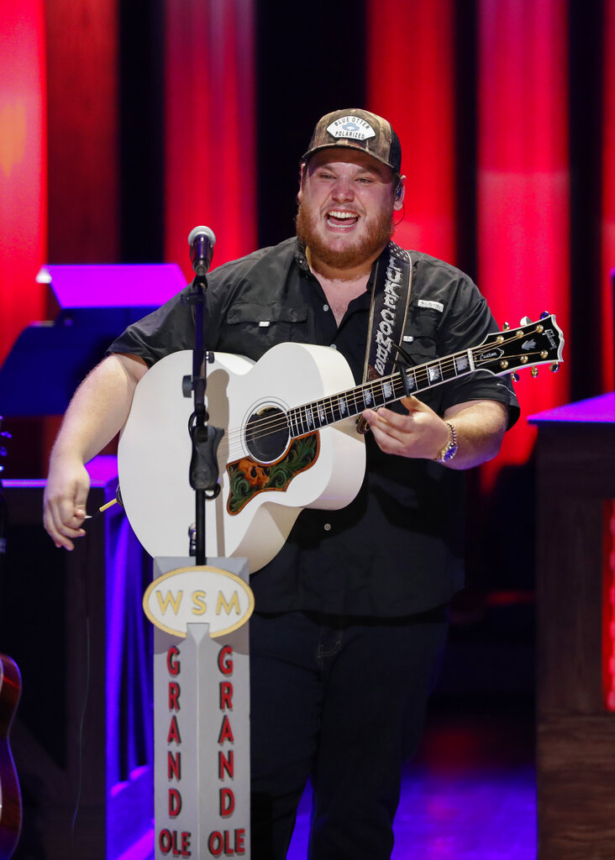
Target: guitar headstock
x=528 y=345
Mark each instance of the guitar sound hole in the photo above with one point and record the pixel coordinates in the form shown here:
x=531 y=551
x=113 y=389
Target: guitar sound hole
x=267 y=434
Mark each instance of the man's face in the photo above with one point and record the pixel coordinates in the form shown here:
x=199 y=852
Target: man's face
x=346 y=205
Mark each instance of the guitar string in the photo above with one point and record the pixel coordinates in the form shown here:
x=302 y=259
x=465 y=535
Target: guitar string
x=269 y=425
x=421 y=373
x=445 y=364
x=353 y=398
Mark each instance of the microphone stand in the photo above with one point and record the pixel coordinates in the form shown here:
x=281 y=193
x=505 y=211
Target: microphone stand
x=205 y=438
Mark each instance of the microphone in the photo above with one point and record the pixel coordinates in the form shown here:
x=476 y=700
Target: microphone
x=201 y=241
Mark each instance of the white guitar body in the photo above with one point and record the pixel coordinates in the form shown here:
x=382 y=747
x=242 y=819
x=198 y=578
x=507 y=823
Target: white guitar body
x=155 y=451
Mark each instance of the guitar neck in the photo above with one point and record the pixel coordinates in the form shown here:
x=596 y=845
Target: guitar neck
x=528 y=345
x=379 y=392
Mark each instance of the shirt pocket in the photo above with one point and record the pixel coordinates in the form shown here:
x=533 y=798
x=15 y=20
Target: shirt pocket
x=420 y=343
x=252 y=328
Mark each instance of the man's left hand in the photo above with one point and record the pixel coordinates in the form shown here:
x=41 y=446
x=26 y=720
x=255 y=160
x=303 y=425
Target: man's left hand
x=479 y=425
x=420 y=434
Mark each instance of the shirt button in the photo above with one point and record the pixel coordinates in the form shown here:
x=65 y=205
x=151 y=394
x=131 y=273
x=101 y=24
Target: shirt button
x=325 y=307
x=327 y=527
x=333 y=346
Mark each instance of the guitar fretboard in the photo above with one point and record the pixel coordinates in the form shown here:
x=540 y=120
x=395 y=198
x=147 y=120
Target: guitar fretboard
x=378 y=392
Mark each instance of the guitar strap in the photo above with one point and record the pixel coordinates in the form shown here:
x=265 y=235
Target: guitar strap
x=390 y=300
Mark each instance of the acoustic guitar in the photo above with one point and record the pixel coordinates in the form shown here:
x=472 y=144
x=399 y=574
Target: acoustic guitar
x=290 y=438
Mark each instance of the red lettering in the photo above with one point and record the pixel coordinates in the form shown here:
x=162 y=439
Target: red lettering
x=174 y=732
x=219 y=843
x=226 y=764
x=174 y=765
x=215 y=844
x=175 y=802
x=165 y=841
x=227 y=802
x=173 y=665
x=228 y=851
x=173 y=696
x=186 y=843
x=225 y=666
x=178 y=844
x=226 y=695
x=226 y=733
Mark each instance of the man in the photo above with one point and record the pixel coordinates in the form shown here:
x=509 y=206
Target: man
x=351 y=615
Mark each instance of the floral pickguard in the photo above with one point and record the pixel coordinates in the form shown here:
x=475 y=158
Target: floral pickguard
x=248 y=477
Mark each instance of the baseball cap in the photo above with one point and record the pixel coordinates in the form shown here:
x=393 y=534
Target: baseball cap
x=357 y=129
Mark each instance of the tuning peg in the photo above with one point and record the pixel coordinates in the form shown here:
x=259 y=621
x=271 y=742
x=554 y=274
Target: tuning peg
x=544 y=315
x=554 y=367
x=506 y=327
x=534 y=372
x=514 y=377
x=526 y=321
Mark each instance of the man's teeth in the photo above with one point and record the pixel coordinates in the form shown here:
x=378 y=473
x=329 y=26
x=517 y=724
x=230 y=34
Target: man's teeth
x=343 y=216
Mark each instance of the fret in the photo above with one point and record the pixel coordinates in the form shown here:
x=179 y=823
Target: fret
x=462 y=363
x=330 y=411
x=379 y=392
x=411 y=378
x=434 y=373
x=388 y=391
x=448 y=369
x=321 y=413
x=313 y=416
x=368 y=398
x=355 y=401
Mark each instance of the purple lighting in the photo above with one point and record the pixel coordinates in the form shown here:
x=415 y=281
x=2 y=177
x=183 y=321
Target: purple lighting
x=597 y=410
x=113 y=286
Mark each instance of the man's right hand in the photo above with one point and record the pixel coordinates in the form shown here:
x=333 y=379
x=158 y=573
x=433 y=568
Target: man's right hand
x=95 y=414
x=64 y=501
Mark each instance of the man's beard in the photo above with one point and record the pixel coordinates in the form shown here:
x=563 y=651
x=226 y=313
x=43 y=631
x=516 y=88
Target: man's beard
x=370 y=246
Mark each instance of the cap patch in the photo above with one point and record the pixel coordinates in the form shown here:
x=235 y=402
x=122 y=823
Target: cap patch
x=352 y=127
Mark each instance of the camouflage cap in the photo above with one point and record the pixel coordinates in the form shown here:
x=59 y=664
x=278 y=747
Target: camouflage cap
x=357 y=129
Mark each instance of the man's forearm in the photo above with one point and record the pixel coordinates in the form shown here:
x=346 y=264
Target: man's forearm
x=480 y=426
x=96 y=413
x=99 y=408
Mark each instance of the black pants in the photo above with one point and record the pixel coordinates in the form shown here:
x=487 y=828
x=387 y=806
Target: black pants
x=342 y=701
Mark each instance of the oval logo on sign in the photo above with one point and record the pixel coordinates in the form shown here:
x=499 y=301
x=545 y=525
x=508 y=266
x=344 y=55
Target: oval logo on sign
x=198 y=594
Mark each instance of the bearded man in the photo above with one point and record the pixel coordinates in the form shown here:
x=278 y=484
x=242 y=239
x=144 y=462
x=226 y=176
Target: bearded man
x=350 y=617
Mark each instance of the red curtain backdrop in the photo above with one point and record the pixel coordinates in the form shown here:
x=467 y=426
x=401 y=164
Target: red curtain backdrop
x=608 y=201
x=209 y=127
x=23 y=166
x=82 y=81
x=523 y=183
x=410 y=56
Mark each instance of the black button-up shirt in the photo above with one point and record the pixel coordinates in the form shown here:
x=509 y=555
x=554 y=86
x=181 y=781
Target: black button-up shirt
x=397 y=548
